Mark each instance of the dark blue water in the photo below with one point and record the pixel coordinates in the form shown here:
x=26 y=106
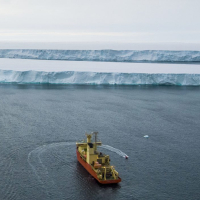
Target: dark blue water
x=40 y=124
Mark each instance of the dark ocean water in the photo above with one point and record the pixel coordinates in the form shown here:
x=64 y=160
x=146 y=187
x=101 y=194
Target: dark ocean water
x=39 y=125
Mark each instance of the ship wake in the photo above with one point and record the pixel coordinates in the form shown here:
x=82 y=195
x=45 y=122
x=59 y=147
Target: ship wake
x=36 y=161
x=117 y=151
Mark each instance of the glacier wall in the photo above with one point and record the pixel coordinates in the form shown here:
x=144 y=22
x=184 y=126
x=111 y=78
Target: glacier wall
x=72 y=77
x=104 y=55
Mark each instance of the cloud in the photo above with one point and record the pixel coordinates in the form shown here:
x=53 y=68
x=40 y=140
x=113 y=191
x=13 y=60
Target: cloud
x=100 y=20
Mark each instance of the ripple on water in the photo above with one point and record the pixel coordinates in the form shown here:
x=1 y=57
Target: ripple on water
x=55 y=166
x=9 y=190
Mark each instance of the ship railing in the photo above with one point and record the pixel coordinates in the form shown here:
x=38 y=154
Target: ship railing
x=83 y=157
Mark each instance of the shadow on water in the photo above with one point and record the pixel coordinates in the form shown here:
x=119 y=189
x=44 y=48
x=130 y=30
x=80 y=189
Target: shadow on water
x=100 y=191
x=47 y=86
x=92 y=183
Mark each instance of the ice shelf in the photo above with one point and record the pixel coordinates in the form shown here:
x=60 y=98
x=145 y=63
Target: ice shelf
x=103 y=55
x=80 y=72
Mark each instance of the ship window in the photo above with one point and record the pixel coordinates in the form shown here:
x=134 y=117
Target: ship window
x=91 y=145
x=99 y=161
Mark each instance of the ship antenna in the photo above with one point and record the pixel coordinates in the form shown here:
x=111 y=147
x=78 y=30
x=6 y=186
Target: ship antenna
x=95 y=139
x=95 y=136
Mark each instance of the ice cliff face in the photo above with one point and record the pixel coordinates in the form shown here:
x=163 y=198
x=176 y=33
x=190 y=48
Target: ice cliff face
x=9 y=76
x=104 y=55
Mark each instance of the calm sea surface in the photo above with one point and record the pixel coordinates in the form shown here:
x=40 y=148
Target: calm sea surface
x=40 y=124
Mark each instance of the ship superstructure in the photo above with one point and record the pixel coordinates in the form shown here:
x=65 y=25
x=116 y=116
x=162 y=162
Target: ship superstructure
x=95 y=162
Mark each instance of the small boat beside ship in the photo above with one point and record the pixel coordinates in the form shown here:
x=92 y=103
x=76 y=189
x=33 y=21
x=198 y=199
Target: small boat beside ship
x=95 y=162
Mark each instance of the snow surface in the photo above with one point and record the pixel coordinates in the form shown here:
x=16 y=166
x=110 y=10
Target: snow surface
x=103 y=55
x=86 y=66
x=72 y=72
x=175 y=46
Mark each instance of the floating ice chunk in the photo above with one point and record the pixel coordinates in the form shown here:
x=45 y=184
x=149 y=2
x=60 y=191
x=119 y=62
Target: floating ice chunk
x=146 y=136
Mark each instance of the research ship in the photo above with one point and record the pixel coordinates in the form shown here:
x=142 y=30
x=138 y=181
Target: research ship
x=95 y=162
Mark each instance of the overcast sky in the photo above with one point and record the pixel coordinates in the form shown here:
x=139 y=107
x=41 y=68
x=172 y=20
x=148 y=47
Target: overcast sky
x=102 y=20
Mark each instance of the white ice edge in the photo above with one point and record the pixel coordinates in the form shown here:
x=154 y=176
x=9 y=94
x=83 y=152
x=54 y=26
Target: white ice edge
x=98 y=78
x=79 y=72
x=103 y=55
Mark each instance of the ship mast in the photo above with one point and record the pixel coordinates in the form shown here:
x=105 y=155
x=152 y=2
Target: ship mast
x=95 y=140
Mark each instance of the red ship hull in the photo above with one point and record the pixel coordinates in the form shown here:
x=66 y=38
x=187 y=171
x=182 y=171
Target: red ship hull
x=91 y=171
